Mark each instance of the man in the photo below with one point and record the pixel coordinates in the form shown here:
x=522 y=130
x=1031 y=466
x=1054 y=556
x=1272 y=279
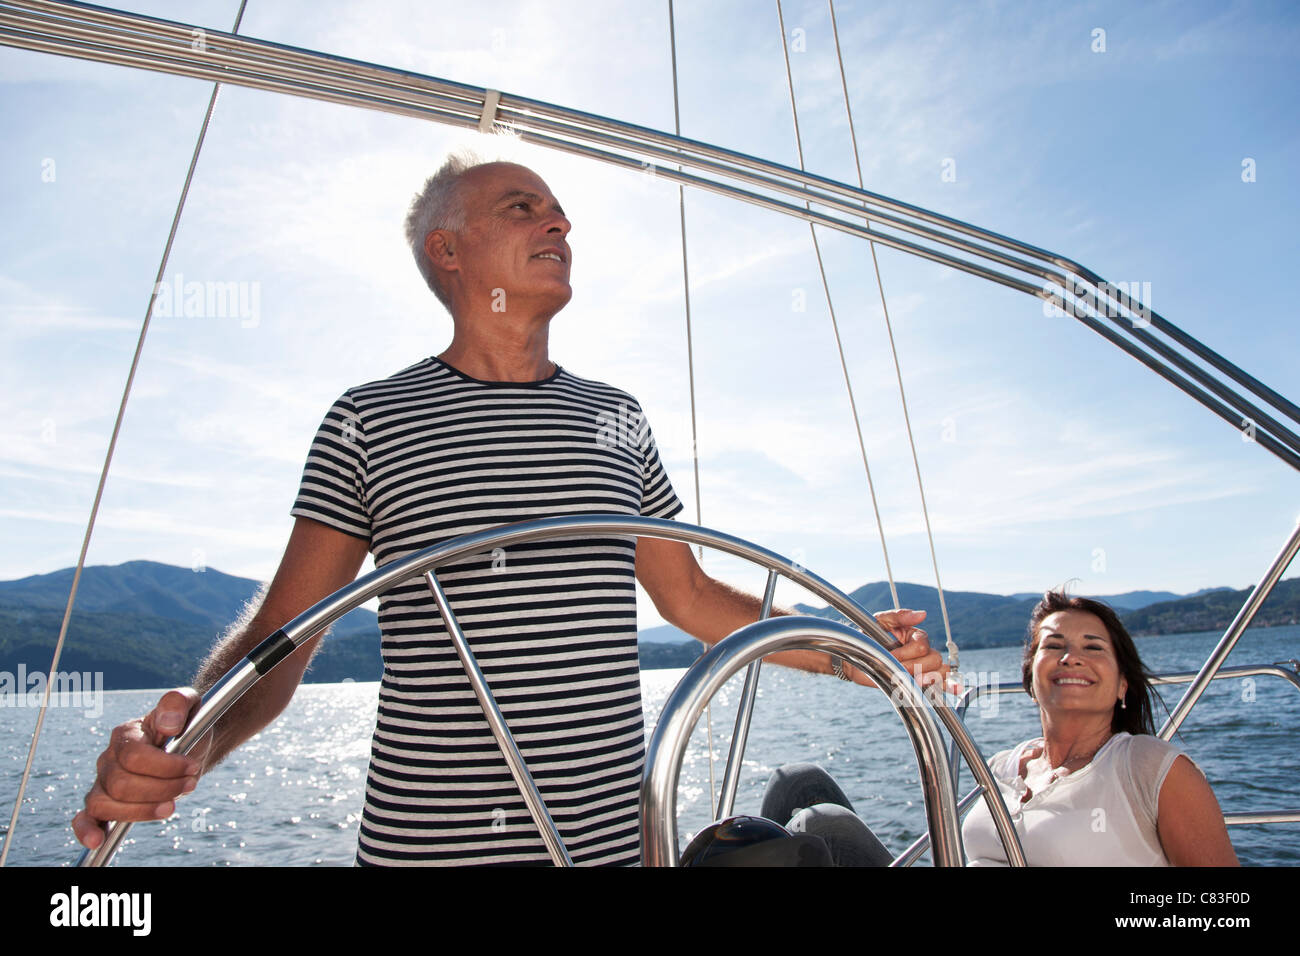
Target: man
x=488 y=432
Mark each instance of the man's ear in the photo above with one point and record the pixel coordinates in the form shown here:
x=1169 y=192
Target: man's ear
x=438 y=247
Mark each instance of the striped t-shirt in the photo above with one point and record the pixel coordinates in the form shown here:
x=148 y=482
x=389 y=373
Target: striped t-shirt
x=430 y=454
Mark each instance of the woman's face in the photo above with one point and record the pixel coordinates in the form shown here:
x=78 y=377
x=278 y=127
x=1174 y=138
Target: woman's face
x=1075 y=670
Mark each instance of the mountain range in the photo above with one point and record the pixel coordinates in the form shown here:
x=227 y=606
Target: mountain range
x=994 y=620
x=145 y=624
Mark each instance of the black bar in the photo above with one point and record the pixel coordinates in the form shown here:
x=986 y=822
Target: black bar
x=270 y=652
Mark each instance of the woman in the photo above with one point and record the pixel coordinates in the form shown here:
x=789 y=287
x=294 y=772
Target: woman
x=1098 y=788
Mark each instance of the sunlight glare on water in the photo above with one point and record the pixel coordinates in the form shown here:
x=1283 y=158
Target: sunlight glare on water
x=292 y=796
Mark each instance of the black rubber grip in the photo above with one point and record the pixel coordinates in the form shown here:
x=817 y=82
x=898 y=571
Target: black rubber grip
x=271 y=651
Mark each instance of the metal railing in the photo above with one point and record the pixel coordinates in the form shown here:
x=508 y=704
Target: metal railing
x=1253 y=602
x=659 y=840
x=100 y=34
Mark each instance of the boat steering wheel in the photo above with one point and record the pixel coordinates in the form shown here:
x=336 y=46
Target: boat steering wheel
x=867 y=648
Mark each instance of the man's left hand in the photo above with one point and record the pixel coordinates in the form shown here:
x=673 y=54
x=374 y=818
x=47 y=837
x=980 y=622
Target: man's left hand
x=924 y=663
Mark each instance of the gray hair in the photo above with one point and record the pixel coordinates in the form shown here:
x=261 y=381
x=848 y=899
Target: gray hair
x=438 y=205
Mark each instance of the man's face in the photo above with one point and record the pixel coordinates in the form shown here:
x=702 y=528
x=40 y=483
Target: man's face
x=513 y=247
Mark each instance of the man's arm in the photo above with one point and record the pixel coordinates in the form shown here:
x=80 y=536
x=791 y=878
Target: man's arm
x=136 y=779
x=709 y=610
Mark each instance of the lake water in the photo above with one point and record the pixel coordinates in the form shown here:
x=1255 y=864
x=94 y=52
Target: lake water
x=292 y=796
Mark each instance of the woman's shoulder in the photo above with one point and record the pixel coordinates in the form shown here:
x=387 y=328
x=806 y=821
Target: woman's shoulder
x=1146 y=761
x=1144 y=750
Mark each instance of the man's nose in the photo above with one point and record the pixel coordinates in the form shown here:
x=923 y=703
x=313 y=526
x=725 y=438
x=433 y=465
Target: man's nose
x=558 y=223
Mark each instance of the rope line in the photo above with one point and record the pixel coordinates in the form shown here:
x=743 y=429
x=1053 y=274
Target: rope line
x=108 y=459
x=839 y=344
x=690 y=364
x=934 y=560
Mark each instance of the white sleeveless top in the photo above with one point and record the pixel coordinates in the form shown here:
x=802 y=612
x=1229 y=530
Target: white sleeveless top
x=1103 y=814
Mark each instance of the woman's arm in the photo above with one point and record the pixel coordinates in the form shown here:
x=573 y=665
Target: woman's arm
x=1189 y=821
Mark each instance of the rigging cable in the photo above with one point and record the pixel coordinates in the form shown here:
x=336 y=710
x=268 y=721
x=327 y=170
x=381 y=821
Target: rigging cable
x=690 y=363
x=108 y=458
x=839 y=345
x=898 y=371
x=951 y=644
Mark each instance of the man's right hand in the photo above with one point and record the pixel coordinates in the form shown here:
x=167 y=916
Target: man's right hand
x=136 y=779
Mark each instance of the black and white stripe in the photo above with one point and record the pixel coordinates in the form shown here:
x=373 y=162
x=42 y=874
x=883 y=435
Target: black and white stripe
x=430 y=454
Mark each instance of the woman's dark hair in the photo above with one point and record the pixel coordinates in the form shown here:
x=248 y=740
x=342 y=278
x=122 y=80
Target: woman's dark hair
x=1136 y=717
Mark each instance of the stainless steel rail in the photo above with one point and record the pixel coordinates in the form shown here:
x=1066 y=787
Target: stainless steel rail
x=1232 y=634
x=96 y=33
x=744 y=714
x=1276 y=669
x=1262 y=816
x=546 y=827
x=659 y=842
x=1178 y=677
x=922 y=843
x=321 y=615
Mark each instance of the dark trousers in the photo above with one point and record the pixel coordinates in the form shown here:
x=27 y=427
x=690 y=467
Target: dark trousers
x=804 y=798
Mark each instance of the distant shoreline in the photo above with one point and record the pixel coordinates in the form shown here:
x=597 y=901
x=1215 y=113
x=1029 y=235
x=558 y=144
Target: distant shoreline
x=145 y=624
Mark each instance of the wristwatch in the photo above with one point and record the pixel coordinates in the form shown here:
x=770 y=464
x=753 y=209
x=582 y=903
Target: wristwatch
x=837 y=668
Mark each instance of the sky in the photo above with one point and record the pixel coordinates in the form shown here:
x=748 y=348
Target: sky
x=1155 y=143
